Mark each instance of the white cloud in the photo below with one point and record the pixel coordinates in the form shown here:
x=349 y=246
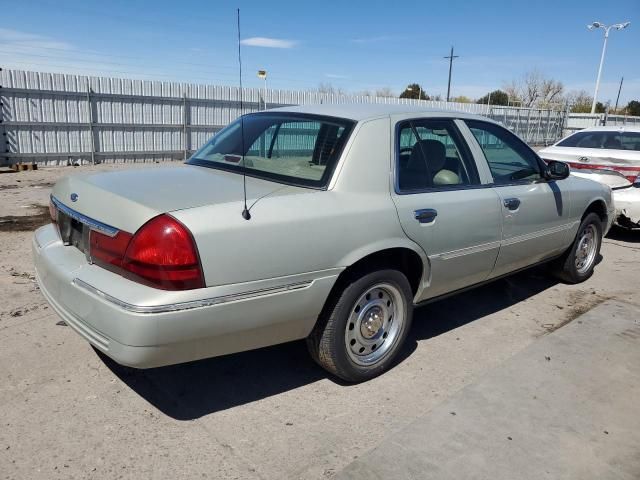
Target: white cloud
x=380 y=38
x=336 y=76
x=16 y=38
x=268 y=42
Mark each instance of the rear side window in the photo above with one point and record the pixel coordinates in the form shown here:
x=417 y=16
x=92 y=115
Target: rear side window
x=431 y=154
x=630 y=141
x=509 y=158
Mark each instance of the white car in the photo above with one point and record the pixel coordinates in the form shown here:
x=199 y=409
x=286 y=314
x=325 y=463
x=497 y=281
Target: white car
x=610 y=155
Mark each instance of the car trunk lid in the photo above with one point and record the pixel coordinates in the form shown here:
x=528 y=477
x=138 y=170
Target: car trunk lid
x=127 y=199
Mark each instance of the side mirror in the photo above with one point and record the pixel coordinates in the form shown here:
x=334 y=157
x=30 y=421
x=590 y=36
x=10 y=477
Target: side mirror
x=557 y=170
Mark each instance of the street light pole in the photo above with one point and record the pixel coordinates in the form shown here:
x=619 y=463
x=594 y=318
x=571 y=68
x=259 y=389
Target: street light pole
x=617 y=26
x=450 y=57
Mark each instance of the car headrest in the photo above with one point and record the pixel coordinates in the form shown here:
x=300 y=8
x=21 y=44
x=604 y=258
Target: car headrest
x=427 y=155
x=613 y=143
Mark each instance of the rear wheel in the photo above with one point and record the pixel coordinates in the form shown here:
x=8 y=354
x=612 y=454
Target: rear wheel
x=362 y=328
x=577 y=264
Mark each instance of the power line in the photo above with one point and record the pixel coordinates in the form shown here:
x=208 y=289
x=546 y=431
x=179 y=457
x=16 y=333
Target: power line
x=93 y=62
x=100 y=54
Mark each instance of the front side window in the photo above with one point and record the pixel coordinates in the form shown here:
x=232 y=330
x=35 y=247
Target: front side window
x=431 y=154
x=510 y=159
x=292 y=148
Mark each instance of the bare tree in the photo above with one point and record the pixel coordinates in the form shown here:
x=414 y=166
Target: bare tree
x=328 y=88
x=579 y=101
x=534 y=89
x=385 y=92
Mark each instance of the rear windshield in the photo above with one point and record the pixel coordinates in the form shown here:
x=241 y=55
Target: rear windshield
x=603 y=139
x=298 y=149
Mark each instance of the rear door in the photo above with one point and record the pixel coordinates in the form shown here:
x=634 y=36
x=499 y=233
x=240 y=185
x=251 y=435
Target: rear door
x=535 y=212
x=445 y=204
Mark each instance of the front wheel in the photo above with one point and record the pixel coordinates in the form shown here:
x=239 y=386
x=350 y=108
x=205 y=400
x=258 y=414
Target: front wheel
x=577 y=264
x=363 y=327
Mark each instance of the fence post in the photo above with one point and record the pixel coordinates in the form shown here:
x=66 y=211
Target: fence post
x=186 y=133
x=4 y=142
x=90 y=116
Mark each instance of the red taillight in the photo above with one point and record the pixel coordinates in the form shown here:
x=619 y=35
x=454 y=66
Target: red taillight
x=161 y=254
x=109 y=251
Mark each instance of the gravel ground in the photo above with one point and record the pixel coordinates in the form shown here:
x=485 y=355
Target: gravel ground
x=66 y=412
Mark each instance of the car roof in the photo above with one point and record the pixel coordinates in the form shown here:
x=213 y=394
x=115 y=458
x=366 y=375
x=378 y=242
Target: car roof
x=612 y=128
x=367 y=111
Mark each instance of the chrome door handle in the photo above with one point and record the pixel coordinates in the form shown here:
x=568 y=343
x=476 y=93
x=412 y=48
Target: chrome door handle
x=512 y=203
x=425 y=215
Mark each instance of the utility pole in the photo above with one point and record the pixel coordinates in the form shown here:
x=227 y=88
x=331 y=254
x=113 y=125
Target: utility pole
x=615 y=110
x=450 y=57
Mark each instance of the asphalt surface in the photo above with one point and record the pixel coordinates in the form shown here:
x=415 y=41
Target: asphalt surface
x=566 y=407
x=66 y=412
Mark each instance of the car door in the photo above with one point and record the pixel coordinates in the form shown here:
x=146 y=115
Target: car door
x=445 y=204
x=536 y=212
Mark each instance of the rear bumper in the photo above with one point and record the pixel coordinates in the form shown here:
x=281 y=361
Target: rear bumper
x=143 y=327
x=627 y=201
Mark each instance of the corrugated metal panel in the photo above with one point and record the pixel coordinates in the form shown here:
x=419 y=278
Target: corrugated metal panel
x=51 y=117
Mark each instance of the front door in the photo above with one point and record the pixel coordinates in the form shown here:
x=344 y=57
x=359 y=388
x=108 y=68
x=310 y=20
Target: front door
x=443 y=206
x=535 y=211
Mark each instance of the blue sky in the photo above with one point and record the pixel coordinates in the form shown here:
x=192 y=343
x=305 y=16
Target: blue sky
x=354 y=45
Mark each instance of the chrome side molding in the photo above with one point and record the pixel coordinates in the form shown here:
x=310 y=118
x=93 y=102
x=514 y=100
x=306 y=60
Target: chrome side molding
x=90 y=222
x=205 y=302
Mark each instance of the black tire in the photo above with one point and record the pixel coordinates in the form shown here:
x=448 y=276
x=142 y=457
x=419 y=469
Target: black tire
x=327 y=342
x=565 y=267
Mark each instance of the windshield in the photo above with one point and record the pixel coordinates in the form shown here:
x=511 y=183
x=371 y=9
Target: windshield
x=291 y=148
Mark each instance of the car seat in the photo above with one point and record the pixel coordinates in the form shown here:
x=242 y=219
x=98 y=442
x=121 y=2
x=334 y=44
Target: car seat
x=426 y=162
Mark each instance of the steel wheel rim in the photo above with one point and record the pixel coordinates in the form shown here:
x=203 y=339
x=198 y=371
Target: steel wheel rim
x=587 y=248
x=374 y=325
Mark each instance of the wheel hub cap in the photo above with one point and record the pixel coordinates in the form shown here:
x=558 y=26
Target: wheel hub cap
x=376 y=320
x=372 y=322
x=587 y=248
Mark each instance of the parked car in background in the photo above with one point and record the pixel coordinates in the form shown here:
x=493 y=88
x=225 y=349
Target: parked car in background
x=610 y=155
x=358 y=214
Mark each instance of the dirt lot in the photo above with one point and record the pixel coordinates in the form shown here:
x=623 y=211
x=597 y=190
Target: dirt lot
x=65 y=412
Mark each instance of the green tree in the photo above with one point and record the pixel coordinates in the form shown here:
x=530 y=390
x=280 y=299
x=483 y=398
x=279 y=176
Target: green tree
x=461 y=99
x=497 y=97
x=414 y=90
x=633 y=108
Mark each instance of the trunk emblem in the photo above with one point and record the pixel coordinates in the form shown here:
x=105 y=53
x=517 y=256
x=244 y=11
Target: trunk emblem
x=74 y=197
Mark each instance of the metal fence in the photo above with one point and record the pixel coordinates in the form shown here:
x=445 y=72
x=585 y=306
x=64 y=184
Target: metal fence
x=578 y=121
x=59 y=118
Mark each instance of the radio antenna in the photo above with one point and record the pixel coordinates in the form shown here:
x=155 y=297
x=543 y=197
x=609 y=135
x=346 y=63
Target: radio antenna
x=245 y=213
